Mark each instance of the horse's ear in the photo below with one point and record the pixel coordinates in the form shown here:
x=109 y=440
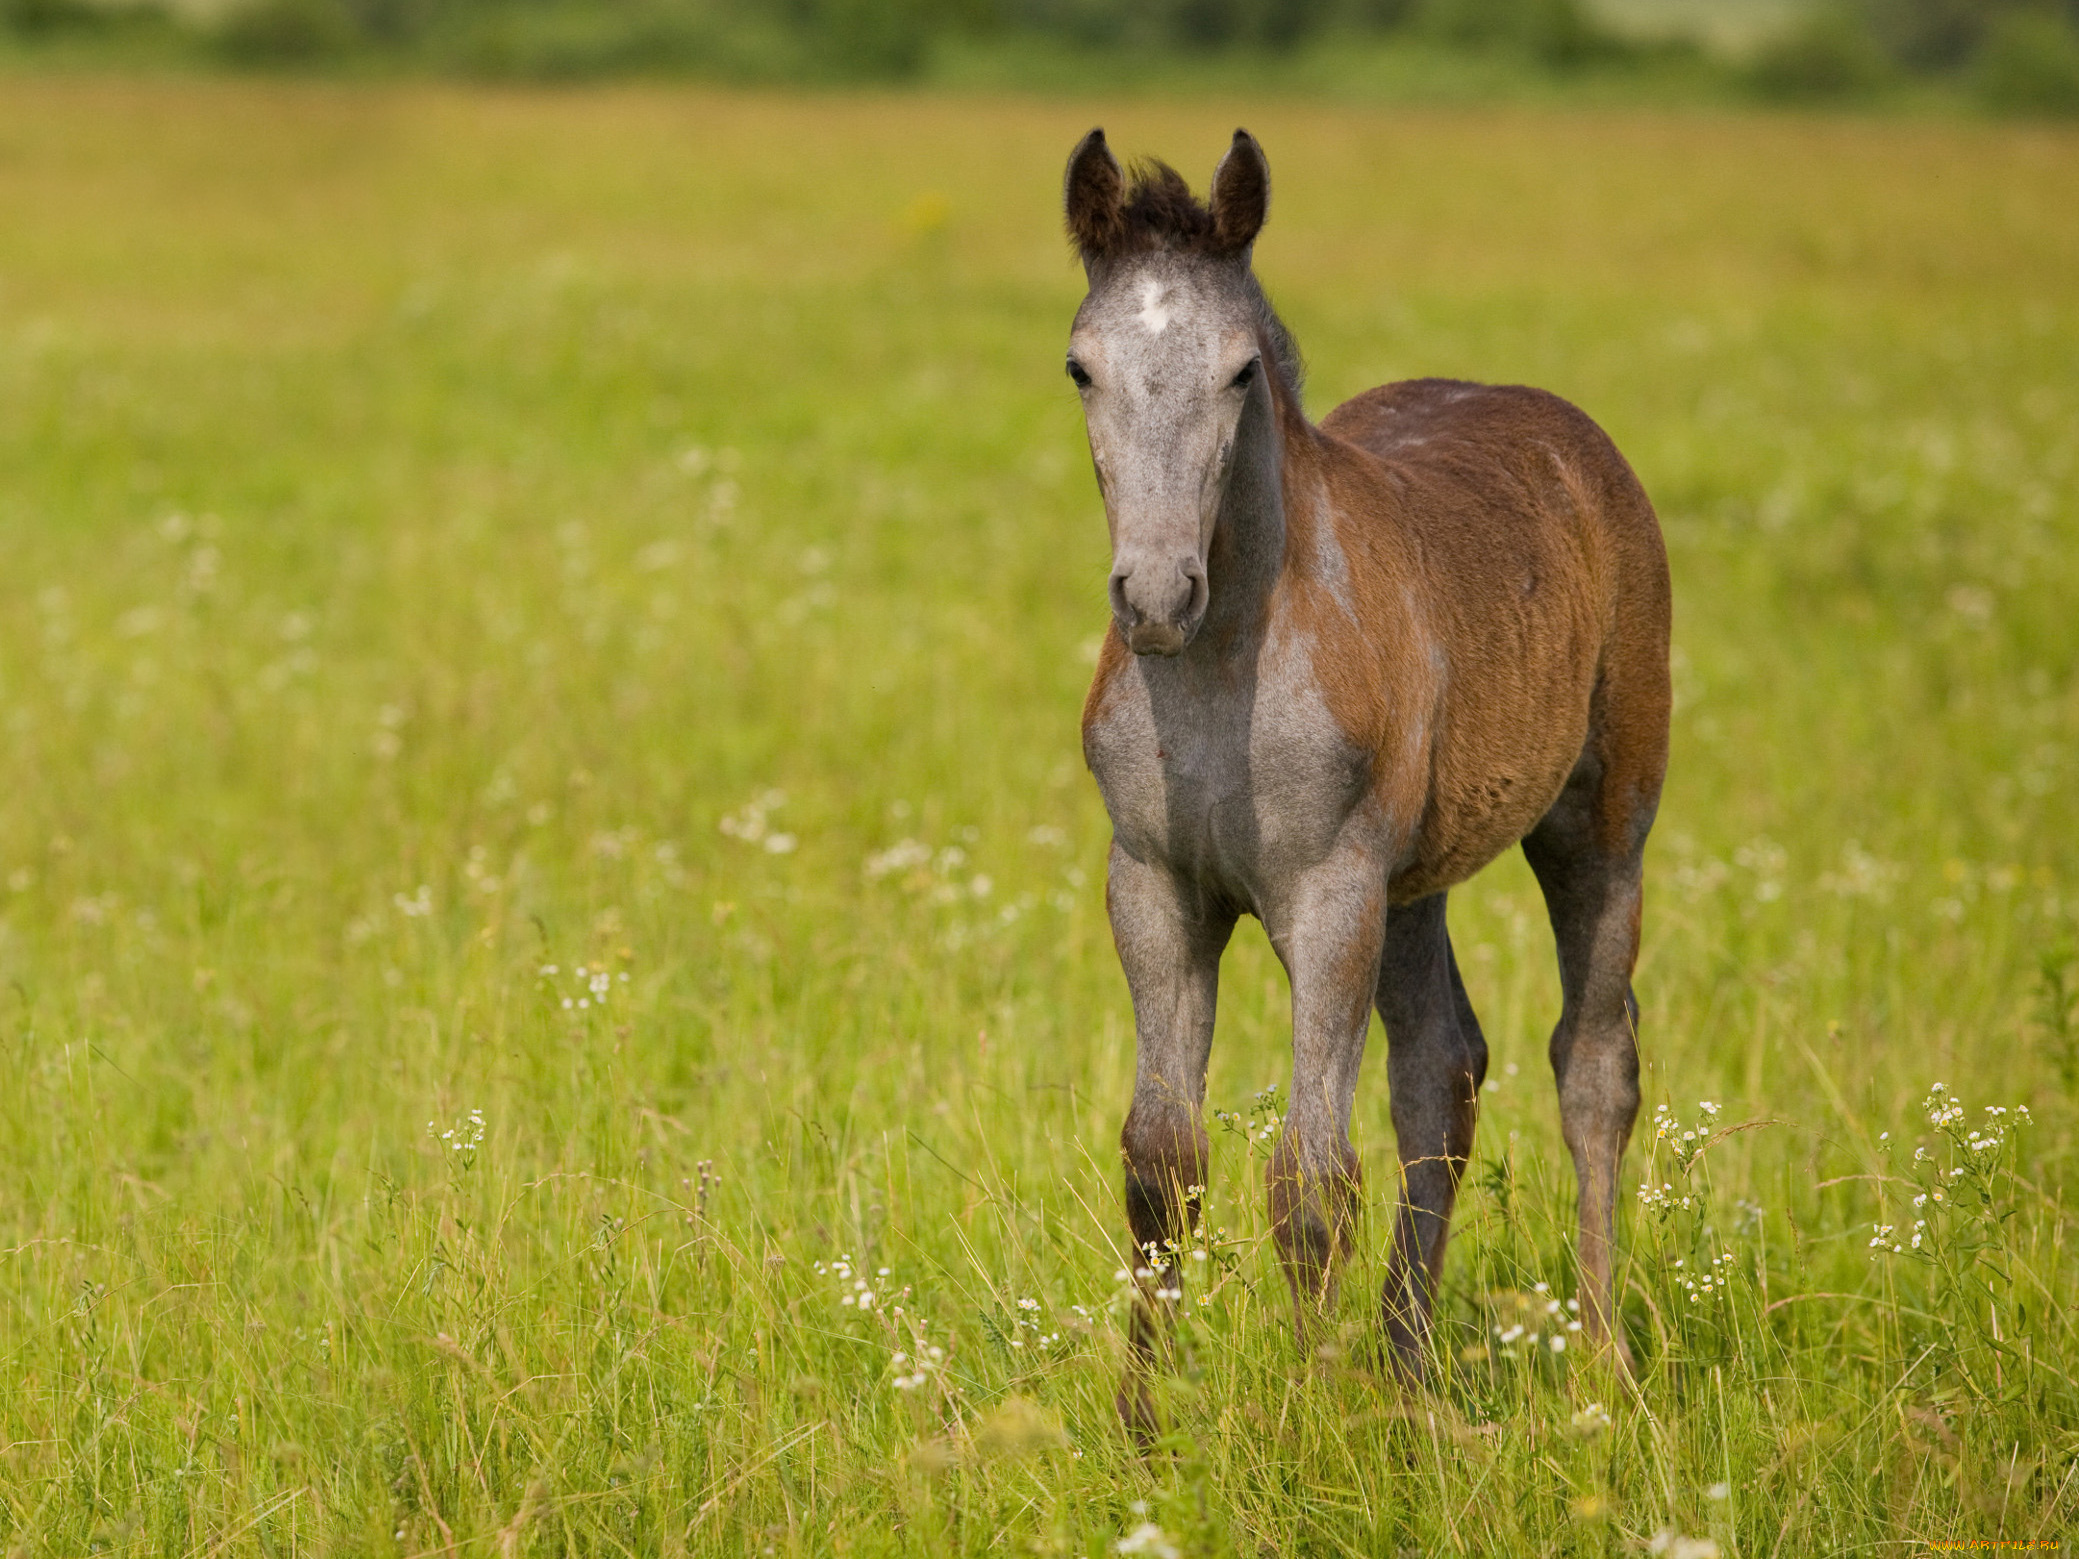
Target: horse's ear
x=1094 y=196
x=1241 y=195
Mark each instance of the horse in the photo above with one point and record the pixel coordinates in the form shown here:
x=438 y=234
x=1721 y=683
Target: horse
x=1349 y=664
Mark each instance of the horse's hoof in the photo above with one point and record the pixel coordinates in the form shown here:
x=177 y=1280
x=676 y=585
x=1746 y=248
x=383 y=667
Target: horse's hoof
x=1406 y=1353
x=1136 y=1404
x=1406 y=1367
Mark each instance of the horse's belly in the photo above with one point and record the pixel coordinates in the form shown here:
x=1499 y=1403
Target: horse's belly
x=1461 y=835
x=1489 y=785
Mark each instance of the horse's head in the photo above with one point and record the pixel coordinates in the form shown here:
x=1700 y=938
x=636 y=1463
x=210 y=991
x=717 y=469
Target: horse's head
x=1167 y=354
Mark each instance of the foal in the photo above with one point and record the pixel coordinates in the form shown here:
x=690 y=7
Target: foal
x=1348 y=666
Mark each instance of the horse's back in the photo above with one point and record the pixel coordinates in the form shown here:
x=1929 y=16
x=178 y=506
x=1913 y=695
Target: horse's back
x=1485 y=473
x=1548 y=585
x=1496 y=445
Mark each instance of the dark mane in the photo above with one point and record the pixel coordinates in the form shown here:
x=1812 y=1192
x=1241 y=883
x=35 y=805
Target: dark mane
x=1292 y=368
x=1161 y=213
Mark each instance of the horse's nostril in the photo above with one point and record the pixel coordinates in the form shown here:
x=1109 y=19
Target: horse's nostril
x=1121 y=607
x=1199 y=592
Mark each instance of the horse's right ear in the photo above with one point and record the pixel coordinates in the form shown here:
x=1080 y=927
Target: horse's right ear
x=1094 y=196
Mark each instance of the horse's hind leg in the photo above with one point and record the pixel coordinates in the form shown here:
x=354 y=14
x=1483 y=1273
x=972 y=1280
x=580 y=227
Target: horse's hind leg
x=1587 y=853
x=1436 y=1059
x=1170 y=948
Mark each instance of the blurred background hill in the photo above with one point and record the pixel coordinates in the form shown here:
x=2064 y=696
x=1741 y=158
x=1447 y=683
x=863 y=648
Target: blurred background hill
x=2018 y=56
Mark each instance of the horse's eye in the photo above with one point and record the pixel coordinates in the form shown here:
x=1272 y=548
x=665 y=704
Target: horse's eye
x=1247 y=376
x=1077 y=372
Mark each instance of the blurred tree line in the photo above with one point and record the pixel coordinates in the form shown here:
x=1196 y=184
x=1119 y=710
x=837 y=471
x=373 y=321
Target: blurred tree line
x=2015 y=54
x=864 y=38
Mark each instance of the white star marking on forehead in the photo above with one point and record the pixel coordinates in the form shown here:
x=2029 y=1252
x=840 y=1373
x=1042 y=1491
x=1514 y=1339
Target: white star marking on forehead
x=1155 y=309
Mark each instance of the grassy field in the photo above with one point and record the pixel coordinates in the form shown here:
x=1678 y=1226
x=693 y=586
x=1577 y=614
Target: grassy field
x=546 y=853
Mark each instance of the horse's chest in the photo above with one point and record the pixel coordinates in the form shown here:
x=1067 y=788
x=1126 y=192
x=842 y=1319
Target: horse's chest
x=1237 y=786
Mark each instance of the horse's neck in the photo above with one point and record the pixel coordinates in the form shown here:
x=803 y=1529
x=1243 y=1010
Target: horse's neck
x=1249 y=537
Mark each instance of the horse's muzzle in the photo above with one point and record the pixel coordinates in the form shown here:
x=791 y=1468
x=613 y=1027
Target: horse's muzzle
x=1159 y=605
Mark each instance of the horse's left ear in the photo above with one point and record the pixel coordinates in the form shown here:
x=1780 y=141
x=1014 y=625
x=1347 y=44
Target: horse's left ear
x=1241 y=194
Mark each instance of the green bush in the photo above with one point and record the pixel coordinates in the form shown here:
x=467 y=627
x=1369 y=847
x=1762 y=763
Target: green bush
x=1829 y=56
x=34 y=17
x=870 y=39
x=1932 y=35
x=390 y=21
x=1277 y=23
x=2028 y=64
x=1158 y=24
x=570 y=40
x=1558 y=32
x=272 y=32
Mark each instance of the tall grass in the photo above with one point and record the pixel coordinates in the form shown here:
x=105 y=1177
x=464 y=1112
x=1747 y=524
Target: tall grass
x=547 y=855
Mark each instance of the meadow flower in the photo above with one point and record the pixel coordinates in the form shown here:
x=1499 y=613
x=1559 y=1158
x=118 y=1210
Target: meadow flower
x=1150 y=1540
x=1862 y=875
x=1591 y=1421
x=477 y=869
x=910 y=858
x=465 y=1136
x=912 y=1373
x=750 y=822
x=1672 y=1545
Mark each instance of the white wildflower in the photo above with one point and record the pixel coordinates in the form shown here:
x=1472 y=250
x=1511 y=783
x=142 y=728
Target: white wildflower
x=1148 y=1539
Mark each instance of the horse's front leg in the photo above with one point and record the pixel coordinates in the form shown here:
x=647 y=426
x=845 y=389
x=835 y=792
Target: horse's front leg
x=1169 y=940
x=1329 y=935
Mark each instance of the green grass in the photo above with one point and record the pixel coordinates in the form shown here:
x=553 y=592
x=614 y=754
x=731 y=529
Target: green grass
x=430 y=515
